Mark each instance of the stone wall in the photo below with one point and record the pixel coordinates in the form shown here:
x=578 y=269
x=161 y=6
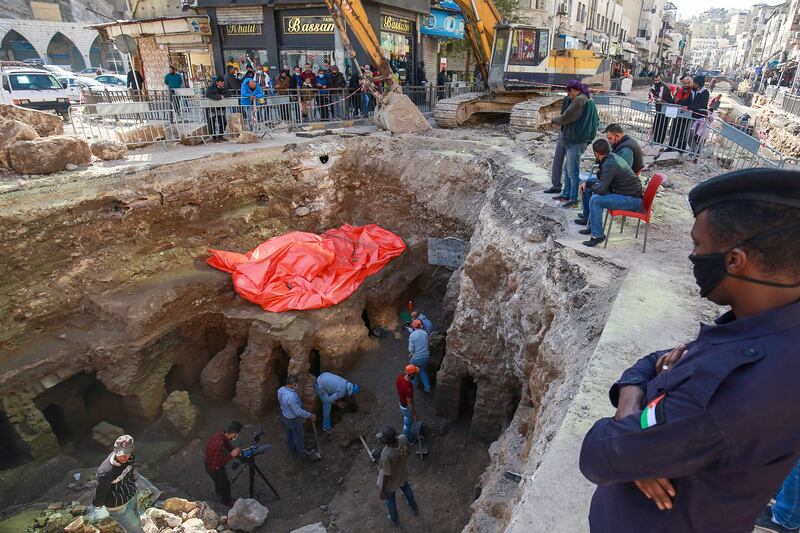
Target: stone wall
x=155 y=63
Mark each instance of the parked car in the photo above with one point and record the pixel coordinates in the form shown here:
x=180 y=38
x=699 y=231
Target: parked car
x=114 y=80
x=93 y=72
x=76 y=84
x=33 y=88
x=57 y=70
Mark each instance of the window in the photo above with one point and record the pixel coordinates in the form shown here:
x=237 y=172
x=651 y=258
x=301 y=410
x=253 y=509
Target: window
x=529 y=47
x=33 y=82
x=538 y=4
x=569 y=9
x=581 y=16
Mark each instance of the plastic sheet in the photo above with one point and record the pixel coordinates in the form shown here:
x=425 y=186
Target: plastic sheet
x=301 y=270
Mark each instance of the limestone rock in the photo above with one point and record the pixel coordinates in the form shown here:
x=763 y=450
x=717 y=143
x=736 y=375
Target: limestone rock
x=44 y=123
x=247 y=514
x=57 y=521
x=311 y=528
x=668 y=159
x=248 y=137
x=235 y=123
x=79 y=525
x=302 y=211
x=177 y=506
x=142 y=134
x=400 y=115
x=10 y=132
x=192 y=525
x=71 y=166
x=109 y=150
x=48 y=154
x=528 y=136
x=180 y=414
x=219 y=376
x=209 y=517
x=148 y=525
x=30 y=424
x=188 y=134
x=162 y=518
x=105 y=434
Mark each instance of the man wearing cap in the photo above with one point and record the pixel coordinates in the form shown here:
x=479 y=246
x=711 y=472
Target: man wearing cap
x=115 y=494
x=419 y=352
x=405 y=393
x=427 y=325
x=219 y=452
x=331 y=388
x=293 y=416
x=705 y=433
x=393 y=471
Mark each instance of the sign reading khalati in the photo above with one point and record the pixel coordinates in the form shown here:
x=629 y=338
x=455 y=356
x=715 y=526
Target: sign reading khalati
x=396 y=24
x=243 y=29
x=307 y=25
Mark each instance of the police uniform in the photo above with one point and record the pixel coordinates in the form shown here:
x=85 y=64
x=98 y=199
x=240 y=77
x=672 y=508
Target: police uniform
x=723 y=424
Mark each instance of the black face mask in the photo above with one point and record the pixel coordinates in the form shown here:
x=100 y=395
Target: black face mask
x=710 y=269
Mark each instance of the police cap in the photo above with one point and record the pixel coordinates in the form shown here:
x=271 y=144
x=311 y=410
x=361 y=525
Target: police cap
x=772 y=186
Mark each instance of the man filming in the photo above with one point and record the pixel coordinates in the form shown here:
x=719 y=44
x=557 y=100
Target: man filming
x=218 y=452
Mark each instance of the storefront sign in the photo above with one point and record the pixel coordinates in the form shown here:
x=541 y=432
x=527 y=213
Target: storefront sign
x=443 y=24
x=243 y=29
x=199 y=25
x=307 y=25
x=396 y=24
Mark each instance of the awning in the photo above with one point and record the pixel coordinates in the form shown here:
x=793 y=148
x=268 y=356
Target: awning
x=240 y=15
x=197 y=25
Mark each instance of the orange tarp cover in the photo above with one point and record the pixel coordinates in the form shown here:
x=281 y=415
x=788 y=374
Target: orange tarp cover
x=301 y=270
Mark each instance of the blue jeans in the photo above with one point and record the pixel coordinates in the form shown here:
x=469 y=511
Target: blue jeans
x=406 y=420
x=786 y=510
x=598 y=202
x=364 y=105
x=295 y=434
x=572 y=168
x=587 y=195
x=422 y=364
x=391 y=501
x=128 y=517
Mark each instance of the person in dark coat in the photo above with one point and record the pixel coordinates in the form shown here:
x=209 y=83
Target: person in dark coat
x=680 y=126
x=232 y=84
x=706 y=432
x=659 y=94
x=557 y=169
x=699 y=109
x=215 y=116
x=354 y=94
x=135 y=80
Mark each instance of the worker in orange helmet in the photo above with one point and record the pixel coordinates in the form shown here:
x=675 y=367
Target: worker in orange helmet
x=405 y=393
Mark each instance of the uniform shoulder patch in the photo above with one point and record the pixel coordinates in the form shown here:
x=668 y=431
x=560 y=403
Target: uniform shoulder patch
x=653 y=413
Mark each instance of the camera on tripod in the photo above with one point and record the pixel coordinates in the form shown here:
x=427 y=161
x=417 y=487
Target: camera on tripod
x=254 y=449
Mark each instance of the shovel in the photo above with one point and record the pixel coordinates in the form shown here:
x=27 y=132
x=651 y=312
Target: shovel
x=317 y=454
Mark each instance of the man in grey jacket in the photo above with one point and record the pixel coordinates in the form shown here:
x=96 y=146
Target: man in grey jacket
x=617 y=187
x=331 y=388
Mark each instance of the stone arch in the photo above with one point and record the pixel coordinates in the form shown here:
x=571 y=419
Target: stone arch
x=103 y=54
x=62 y=51
x=15 y=47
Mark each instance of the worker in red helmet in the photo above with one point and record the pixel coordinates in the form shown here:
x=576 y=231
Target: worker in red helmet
x=405 y=393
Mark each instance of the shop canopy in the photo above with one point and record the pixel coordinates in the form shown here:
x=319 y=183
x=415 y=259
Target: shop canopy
x=301 y=270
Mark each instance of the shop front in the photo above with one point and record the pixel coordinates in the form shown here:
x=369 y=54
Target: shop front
x=397 y=37
x=305 y=36
x=244 y=37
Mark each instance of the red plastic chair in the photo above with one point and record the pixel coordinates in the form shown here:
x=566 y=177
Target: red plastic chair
x=647 y=209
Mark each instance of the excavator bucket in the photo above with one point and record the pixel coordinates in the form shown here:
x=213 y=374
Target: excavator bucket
x=400 y=115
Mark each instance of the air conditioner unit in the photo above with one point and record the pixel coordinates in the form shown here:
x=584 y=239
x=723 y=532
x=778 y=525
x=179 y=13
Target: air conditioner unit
x=562 y=9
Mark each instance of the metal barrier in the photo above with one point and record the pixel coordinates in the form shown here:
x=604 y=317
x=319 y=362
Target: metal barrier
x=674 y=129
x=791 y=104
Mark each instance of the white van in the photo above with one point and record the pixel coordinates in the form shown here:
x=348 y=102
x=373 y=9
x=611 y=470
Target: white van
x=33 y=88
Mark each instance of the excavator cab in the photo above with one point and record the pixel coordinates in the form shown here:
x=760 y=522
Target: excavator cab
x=522 y=60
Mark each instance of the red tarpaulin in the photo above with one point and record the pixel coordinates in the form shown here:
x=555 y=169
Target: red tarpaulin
x=301 y=270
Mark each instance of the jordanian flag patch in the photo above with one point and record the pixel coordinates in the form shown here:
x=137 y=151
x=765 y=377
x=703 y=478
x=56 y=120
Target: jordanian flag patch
x=653 y=414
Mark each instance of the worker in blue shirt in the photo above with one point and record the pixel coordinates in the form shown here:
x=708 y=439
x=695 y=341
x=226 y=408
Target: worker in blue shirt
x=331 y=388
x=419 y=352
x=427 y=325
x=252 y=97
x=293 y=416
x=705 y=433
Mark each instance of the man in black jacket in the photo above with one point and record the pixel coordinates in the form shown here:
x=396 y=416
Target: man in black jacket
x=625 y=147
x=232 y=84
x=215 y=116
x=115 y=494
x=659 y=94
x=336 y=94
x=617 y=187
x=699 y=109
x=135 y=80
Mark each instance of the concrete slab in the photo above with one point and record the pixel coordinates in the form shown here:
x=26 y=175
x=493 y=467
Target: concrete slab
x=528 y=136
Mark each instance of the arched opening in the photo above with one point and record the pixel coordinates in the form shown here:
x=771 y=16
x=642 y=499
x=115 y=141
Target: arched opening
x=281 y=366
x=466 y=399
x=61 y=51
x=104 y=55
x=314 y=363
x=13 y=450
x=55 y=416
x=15 y=47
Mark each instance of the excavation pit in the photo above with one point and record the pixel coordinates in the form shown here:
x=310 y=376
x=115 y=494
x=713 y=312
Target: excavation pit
x=109 y=307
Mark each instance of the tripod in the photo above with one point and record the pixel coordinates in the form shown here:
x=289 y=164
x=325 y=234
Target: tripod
x=253 y=469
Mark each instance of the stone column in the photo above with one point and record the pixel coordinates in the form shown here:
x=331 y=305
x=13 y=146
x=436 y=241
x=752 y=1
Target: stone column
x=30 y=424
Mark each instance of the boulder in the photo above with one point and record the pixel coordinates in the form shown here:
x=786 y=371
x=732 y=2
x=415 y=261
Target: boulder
x=193 y=525
x=12 y=131
x=46 y=155
x=142 y=135
x=105 y=434
x=219 y=375
x=209 y=517
x=177 y=506
x=57 y=521
x=188 y=134
x=162 y=518
x=180 y=414
x=248 y=137
x=45 y=124
x=311 y=528
x=109 y=150
x=247 y=514
x=235 y=123
x=400 y=115
x=148 y=525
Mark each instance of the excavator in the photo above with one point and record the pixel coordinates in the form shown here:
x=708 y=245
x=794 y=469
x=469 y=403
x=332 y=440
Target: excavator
x=516 y=61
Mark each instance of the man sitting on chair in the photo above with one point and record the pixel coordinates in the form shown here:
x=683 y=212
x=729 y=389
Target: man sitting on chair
x=617 y=187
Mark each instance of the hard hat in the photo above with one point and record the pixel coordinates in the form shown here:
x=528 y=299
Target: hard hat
x=416 y=324
x=411 y=369
x=355 y=389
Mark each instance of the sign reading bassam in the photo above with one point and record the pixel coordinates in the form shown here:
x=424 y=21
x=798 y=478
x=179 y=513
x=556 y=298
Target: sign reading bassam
x=396 y=24
x=243 y=29
x=307 y=25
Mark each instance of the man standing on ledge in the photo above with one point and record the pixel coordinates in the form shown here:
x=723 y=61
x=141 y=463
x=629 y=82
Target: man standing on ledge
x=705 y=433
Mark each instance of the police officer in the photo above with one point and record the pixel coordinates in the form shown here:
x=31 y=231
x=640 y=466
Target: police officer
x=706 y=432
